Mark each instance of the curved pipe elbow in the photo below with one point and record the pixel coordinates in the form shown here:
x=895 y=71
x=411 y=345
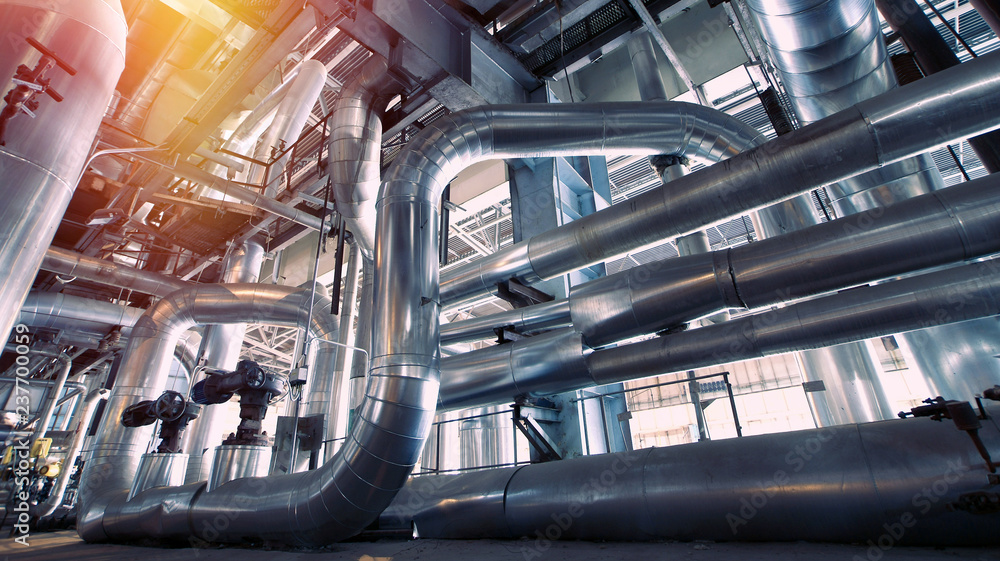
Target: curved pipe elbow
x=355 y=148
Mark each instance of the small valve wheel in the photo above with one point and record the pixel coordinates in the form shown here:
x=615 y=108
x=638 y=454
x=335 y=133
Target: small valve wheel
x=170 y=406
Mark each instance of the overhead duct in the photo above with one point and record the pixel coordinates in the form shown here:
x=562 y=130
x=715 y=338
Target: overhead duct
x=246 y=134
x=905 y=482
x=947 y=226
x=66 y=312
x=79 y=53
x=340 y=498
x=959 y=102
x=356 y=148
x=103 y=510
x=292 y=115
x=72 y=264
x=75 y=314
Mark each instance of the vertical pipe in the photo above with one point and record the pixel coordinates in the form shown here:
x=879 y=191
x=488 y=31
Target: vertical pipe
x=338 y=414
x=661 y=40
x=87 y=415
x=363 y=339
x=220 y=348
x=41 y=159
x=41 y=426
x=647 y=72
x=292 y=114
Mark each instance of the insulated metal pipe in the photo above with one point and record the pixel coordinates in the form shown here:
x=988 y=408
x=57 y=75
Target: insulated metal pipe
x=943 y=227
x=363 y=339
x=830 y=55
x=529 y=319
x=871 y=311
x=292 y=114
x=220 y=348
x=405 y=338
x=143 y=375
x=959 y=294
x=890 y=482
x=74 y=315
x=675 y=61
x=70 y=263
x=395 y=416
x=956 y=103
x=243 y=139
x=45 y=416
x=73 y=453
x=66 y=312
x=933 y=53
x=647 y=71
x=42 y=158
x=249 y=196
x=336 y=412
x=356 y=149
x=536 y=366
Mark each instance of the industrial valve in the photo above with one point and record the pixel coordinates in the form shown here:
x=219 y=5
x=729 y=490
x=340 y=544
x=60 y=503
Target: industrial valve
x=171 y=409
x=28 y=83
x=257 y=388
x=992 y=393
x=962 y=414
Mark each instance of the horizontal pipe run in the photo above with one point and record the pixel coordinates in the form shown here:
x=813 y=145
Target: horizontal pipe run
x=960 y=102
x=408 y=294
x=949 y=296
x=962 y=222
x=65 y=262
x=246 y=195
x=890 y=482
x=527 y=320
x=558 y=361
x=536 y=366
x=939 y=228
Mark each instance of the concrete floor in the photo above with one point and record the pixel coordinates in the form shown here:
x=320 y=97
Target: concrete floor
x=65 y=545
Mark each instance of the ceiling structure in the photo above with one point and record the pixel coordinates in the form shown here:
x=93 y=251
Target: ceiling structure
x=194 y=69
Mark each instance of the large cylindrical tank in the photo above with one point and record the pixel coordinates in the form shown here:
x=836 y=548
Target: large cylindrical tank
x=42 y=157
